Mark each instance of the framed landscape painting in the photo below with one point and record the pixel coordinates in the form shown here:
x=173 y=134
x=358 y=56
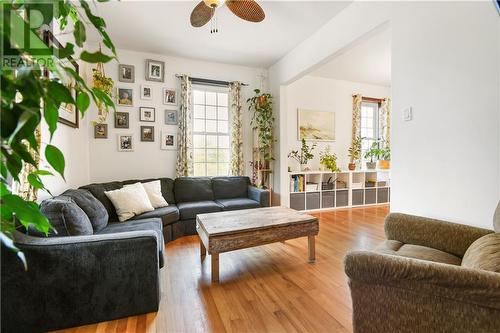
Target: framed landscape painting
x=315 y=125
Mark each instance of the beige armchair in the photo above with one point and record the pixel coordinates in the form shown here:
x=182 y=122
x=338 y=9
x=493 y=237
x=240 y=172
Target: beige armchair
x=429 y=276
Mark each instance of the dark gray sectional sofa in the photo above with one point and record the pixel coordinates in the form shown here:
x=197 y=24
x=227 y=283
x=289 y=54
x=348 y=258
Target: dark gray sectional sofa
x=96 y=268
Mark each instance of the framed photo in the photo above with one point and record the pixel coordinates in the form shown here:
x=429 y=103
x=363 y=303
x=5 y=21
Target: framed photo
x=68 y=113
x=125 y=96
x=101 y=131
x=147 y=133
x=168 y=141
x=147 y=114
x=125 y=142
x=169 y=96
x=126 y=73
x=171 y=117
x=315 y=125
x=155 y=70
x=146 y=92
x=121 y=119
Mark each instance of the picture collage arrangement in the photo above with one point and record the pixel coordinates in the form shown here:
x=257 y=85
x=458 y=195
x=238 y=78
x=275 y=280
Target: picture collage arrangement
x=155 y=71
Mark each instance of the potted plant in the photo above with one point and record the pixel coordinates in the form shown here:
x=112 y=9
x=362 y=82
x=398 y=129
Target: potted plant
x=384 y=161
x=329 y=160
x=355 y=152
x=263 y=121
x=373 y=154
x=105 y=84
x=304 y=156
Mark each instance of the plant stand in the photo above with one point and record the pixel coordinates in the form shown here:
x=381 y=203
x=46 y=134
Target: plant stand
x=262 y=170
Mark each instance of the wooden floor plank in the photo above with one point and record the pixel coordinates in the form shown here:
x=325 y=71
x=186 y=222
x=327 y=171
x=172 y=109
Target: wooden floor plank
x=270 y=288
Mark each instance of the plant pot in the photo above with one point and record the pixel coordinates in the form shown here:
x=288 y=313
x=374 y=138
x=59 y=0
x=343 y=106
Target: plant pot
x=352 y=166
x=383 y=164
x=371 y=165
x=304 y=167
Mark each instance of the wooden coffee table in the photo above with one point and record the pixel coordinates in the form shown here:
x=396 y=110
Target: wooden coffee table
x=233 y=230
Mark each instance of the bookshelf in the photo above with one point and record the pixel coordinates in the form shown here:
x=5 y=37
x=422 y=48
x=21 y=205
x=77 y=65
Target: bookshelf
x=318 y=190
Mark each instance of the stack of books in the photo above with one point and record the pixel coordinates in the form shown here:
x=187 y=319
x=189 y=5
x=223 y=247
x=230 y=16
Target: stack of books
x=298 y=183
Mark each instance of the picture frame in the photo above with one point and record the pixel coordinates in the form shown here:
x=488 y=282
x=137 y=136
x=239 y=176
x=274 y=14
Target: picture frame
x=169 y=96
x=147 y=133
x=155 y=70
x=168 y=141
x=171 y=117
x=69 y=114
x=126 y=142
x=147 y=114
x=125 y=96
x=146 y=92
x=126 y=73
x=313 y=125
x=122 y=119
x=100 y=131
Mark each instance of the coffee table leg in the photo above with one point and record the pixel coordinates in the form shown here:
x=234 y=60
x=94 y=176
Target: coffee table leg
x=311 y=248
x=203 y=250
x=215 y=267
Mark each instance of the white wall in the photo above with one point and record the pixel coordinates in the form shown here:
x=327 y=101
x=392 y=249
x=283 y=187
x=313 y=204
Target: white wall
x=446 y=64
x=147 y=160
x=322 y=94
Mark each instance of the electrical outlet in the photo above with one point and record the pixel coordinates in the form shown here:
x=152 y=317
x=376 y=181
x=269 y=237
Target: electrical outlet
x=408 y=114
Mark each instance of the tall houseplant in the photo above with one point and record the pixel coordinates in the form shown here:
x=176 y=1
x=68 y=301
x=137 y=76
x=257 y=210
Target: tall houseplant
x=261 y=105
x=355 y=152
x=28 y=96
x=304 y=156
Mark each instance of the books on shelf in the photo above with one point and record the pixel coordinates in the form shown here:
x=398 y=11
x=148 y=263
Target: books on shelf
x=298 y=183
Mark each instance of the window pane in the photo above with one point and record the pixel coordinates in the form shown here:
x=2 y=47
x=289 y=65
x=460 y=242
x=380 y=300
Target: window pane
x=212 y=155
x=198 y=97
x=211 y=98
x=199 y=141
x=199 y=111
x=199 y=169
x=211 y=112
x=211 y=169
x=222 y=126
x=199 y=155
x=224 y=141
x=223 y=169
x=223 y=155
x=223 y=113
x=199 y=125
x=211 y=141
x=211 y=126
x=222 y=99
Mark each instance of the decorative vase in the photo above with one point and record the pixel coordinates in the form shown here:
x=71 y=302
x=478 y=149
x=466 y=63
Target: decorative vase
x=351 y=166
x=304 y=167
x=371 y=165
x=384 y=164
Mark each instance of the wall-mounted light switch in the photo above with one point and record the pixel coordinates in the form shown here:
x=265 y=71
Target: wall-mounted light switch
x=408 y=114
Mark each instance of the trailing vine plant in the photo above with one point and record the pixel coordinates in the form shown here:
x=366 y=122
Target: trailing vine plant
x=263 y=121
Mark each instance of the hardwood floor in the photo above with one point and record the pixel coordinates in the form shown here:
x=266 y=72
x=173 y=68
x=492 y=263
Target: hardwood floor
x=270 y=288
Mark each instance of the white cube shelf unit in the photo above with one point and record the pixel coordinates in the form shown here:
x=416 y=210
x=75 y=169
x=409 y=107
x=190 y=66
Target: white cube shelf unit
x=314 y=190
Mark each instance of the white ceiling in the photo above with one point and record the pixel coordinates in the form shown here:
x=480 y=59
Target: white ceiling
x=163 y=27
x=368 y=61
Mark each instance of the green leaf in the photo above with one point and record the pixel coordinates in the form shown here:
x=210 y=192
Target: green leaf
x=60 y=93
x=95 y=57
x=27 y=212
x=35 y=181
x=22 y=151
x=3 y=189
x=51 y=115
x=102 y=96
x=79 y=33
x=14 y=165
x=43 y=173
x=3 y=169
x=55 y=158
x=82 y=101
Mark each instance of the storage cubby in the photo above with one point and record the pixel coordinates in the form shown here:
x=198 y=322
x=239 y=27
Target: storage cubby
x=370 y=196
x=298 y=201
x=328 y=199
x=358 y=197
x=342 y=198
x=382 y=195
x=312 y=200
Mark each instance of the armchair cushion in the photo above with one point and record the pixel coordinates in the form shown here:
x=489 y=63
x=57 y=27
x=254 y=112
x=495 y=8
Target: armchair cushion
x=66 y=217
x=397 y=248
x=484 y=254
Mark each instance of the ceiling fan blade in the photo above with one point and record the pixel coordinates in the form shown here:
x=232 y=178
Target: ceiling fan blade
x=247 y=10
x=201 y=14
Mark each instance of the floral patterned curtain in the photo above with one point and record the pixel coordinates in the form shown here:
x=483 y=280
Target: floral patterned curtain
x=356 y=115
x=24 y=189
x=237 y=164
x=385 y=122
x=185 y=133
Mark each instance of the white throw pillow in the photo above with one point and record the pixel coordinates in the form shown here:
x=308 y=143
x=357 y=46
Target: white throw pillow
x=129 y=201
x=153 y=189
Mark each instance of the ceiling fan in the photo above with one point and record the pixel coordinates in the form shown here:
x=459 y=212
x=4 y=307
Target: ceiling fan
x=206 y=11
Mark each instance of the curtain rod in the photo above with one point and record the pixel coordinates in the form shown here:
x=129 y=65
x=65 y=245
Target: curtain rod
x=210 y=82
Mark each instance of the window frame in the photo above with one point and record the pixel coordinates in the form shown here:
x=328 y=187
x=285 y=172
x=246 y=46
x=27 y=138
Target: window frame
x=375 y=105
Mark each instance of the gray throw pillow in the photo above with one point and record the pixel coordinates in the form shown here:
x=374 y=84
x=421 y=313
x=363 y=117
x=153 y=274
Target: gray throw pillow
x=66 y=217
x=95 y=210
x=484 y=253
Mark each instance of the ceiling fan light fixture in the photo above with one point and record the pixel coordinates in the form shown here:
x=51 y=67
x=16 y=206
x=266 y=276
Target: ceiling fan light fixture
x=214 y=3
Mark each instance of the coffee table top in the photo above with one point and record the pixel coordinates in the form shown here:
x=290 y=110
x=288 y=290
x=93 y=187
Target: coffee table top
x=228 y=222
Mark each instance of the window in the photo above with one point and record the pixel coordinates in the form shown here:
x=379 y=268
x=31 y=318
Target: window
x=369 y=125
x=211 y=138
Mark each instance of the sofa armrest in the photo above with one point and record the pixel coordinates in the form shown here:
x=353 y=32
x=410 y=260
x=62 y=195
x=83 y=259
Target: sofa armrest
x=449 y=237
x=259 y=195
x=103 y=276
x=451 y=282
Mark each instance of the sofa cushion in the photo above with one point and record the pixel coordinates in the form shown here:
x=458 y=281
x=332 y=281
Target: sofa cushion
x=66 y=217
x=94 y=209
x=130 y=201
x=98 y=190
x=238 y=203
x=167 y=214
x=484 y=253
x=189 y=210
x=189 y=189
x=397 y=248
x=167 y=187
x=230 y=187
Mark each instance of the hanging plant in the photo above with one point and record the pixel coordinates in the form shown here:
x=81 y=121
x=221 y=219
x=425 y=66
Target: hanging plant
x=105 y=84
x=263 y=121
